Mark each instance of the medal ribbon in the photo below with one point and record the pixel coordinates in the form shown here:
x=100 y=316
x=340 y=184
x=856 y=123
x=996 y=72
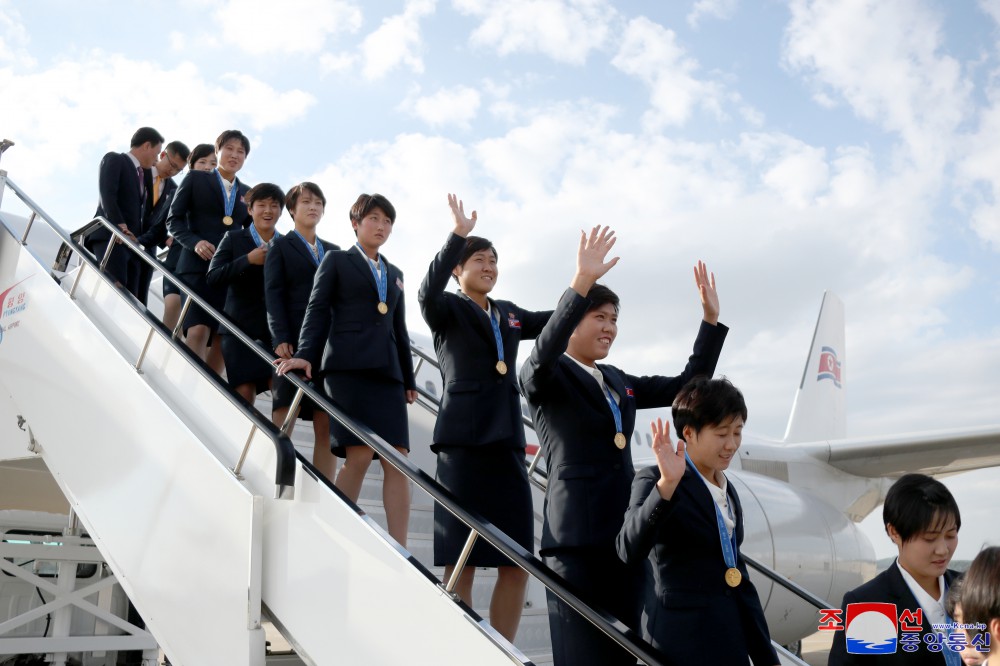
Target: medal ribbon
x=495 y=323
x=260 y=241
x=615 y=410
x=728 y=540
x=229 y=202
x=951 y=658
x=317 y=256
x=381 y=275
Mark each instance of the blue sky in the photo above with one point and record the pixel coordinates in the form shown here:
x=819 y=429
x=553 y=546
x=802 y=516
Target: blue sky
x=793 y=145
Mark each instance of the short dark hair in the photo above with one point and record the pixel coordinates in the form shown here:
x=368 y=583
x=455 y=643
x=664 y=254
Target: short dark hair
x=981 y=590
x=366 y=203
x=475 y=244
x=600 y=295
x=146 y=135
x=292 y=198
x=228 y=136
x=179 y=149
x=262 y=191
x=200 y=151
x=704 y=401
x=954 y=596
x=916 y=503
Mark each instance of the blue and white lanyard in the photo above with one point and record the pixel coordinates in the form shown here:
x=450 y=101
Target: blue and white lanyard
x=615 y=410
x=260 y=241
x=320 y=251
x=727 y=540
x=228 y=200
x=381 y=275
x=495 y=324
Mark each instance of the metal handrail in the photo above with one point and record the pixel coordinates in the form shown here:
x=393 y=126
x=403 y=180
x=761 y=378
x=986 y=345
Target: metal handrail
x=788 y=584
x=284 y=474
x=608 y=624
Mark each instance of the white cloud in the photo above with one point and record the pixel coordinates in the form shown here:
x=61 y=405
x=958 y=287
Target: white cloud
x=884 y=58
x=397 y=42
x=14 y=38
x=339 y=62
x=264 y=27
x=448 y=106
x=95 y=102
x=720 y=9
x=563 y=30
x=650 y=53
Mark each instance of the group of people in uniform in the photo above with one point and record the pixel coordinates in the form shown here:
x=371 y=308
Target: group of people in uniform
x=659 y=550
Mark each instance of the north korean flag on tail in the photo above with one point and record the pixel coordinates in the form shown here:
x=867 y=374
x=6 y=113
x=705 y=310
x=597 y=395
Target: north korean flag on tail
x=829 y=366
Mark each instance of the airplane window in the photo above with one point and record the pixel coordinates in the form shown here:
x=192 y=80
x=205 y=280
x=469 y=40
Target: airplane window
x=649 y=440
x=429 y=385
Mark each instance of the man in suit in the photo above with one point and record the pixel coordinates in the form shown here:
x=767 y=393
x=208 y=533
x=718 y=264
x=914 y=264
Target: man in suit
x=289 y=270
x=922 y=518
x=584 y=414
x=686 y=512
x=124 y=184
x=154 y=229
x=206 y=206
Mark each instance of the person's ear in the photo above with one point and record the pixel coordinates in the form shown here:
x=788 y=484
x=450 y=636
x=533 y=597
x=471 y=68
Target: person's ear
x=689 y=434
x=893 y=534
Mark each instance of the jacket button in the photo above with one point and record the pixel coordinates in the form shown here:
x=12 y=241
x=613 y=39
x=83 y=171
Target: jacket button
x=618 y=465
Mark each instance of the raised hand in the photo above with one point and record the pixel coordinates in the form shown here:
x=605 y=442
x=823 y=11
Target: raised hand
x=705 y=283
x=671 y=463
x=590 y=264
x=463 y=224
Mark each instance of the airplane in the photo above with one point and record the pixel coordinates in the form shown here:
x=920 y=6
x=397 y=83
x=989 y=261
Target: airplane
x=803 y=495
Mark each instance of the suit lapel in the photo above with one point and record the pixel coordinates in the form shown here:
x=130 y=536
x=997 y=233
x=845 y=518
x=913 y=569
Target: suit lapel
x=587 y=385
x=299 y=247
x=363 y=266
x=478 y=318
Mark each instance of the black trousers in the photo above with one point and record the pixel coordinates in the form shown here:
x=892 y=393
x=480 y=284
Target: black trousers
x=122 y=266
x=600 y=579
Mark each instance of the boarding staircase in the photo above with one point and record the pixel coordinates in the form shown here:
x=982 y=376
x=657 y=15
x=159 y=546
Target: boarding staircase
x=191 y=503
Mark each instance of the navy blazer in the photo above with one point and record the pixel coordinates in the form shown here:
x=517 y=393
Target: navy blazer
x=589 y=478
x=343 y=329
x=479 y=405
x=196 y=214
x=889 y=587
x=288 y=281
x=231 y=267
x=154 y=228
x=121 y=199
x=688 y=605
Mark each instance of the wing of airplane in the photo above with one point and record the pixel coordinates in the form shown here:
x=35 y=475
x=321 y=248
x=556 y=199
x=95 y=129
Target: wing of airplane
x=818 y=422
x=937 y=453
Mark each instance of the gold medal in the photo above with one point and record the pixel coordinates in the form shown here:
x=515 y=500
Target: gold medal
x=382 y=308
x=620 y=440
x=733 y=577
x=227 y=220
x=501 y=367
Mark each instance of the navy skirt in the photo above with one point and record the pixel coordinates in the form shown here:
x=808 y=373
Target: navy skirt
x=214 y=294
x=493 y=482
x=376 y=401
x=243 y=365
x=283 y=392
x=170 y=263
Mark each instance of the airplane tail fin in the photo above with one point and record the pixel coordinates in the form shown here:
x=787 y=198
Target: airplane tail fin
x=820 y=408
